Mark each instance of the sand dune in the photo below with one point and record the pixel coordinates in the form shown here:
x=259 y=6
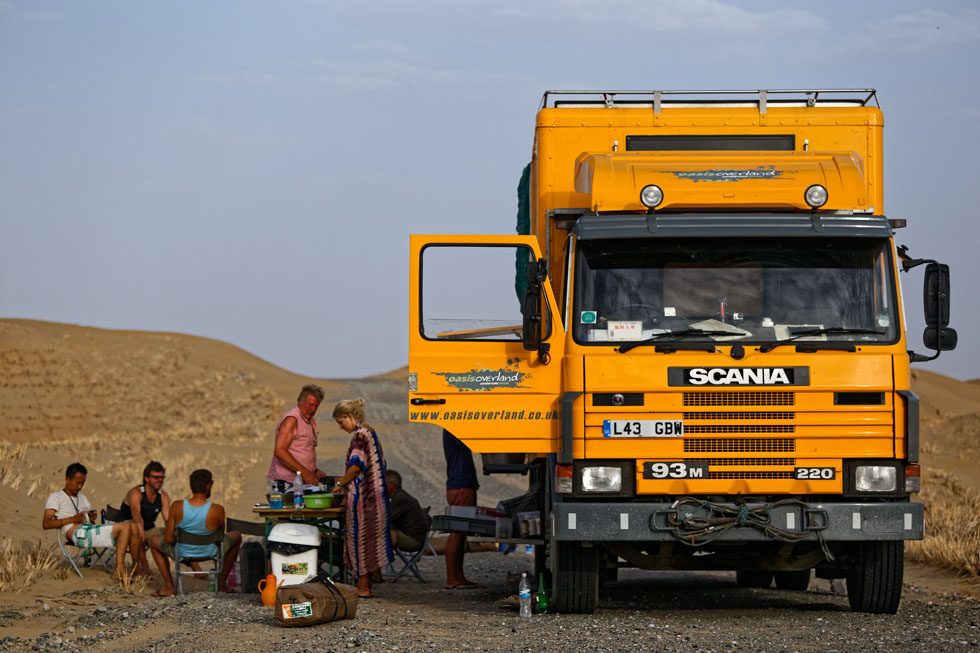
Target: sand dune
x=116 y=399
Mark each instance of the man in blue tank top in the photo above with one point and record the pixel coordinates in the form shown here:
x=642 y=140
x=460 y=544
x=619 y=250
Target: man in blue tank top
x=198 y=516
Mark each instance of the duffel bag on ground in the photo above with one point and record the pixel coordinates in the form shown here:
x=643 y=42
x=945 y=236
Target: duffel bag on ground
x=315 y=602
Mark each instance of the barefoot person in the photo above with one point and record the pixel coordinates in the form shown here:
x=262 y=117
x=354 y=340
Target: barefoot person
x=197 y=516
x=70 y=510
x=147 y=500
x=461 y=487
x=296 y=439
x=367 y=548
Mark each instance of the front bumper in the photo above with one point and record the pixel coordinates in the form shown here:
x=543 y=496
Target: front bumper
x=633 y=522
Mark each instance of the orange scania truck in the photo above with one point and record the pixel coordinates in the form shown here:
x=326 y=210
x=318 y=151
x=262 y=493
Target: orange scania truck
x=695 y=347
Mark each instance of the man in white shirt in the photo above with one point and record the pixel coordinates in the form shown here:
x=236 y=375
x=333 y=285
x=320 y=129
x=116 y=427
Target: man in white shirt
x=70 y=510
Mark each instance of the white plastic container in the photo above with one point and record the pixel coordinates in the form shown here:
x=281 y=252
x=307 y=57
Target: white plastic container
x=294 y=554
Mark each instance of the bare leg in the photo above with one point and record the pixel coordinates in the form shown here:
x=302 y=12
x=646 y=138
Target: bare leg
x=135 y=546
x=163 y=564
x=364 y=585
x=455 y=548
x=121 y=532
x=142 y=565
x=229 y=560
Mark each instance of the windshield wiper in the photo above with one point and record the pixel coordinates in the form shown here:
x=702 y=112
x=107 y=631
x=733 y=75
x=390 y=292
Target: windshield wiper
x=769 y=346
x=674 y=334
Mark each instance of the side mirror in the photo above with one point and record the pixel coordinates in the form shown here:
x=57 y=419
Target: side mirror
x=537 y=271
x=935 y=295
x=531 y=333
x=935 y=302
x=939 y=338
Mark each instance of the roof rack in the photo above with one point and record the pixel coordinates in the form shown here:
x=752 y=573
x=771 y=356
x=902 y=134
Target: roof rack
x=759 y=97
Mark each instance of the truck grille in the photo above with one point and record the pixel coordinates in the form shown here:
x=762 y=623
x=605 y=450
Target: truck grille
x=739 y=398
x=737 y=416
x=746 y=462
x=750 y=475
x=740 y=428
x=739 y=445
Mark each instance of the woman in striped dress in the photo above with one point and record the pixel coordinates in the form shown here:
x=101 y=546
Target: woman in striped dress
x=367 y=545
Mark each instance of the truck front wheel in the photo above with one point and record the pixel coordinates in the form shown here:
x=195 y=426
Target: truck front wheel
x=575 y=576
x=875 y=583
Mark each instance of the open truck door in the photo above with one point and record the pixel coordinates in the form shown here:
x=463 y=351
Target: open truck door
x=484 y=330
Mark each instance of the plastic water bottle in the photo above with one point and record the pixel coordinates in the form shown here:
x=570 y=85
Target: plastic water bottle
x=298 y=501
x=524 y=592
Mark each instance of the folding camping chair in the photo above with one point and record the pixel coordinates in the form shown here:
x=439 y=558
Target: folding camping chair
x=217 y=538
x=88 y=556
x=410 y=559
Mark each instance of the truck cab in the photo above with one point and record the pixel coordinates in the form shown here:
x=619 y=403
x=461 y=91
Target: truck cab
x=695 y=349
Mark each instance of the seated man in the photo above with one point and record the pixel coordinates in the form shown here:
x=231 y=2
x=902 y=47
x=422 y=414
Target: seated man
x=196 y=516
x=70 y=510
x=409 y=523
x=147 y=500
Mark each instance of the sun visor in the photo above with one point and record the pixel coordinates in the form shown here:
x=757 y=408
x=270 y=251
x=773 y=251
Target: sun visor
x=716 y=180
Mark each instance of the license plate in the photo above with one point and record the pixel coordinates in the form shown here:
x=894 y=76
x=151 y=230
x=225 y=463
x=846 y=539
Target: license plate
x=642 y=428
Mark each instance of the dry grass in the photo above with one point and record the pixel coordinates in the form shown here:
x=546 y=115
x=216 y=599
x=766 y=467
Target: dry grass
x=11 y=457
x=133 y=583
x=21 y=566
x=952 y=538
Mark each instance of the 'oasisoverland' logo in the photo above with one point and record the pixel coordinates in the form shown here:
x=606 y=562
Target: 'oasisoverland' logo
x=481 y=378
x=762 y=172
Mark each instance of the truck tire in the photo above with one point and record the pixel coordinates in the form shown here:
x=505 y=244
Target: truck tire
x=753 y=578
x=575 y=575
x=793 y=580
x=875 y=584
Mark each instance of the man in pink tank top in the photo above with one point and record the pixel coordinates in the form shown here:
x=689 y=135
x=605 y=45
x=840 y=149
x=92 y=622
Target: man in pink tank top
x=296 y=439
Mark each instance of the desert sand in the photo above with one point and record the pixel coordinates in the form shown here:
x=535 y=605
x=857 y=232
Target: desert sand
x=116 y=399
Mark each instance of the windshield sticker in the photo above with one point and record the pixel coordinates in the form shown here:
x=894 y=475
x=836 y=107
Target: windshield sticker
x=482 y=379
x=588 y=317
x=624 y=329
x=762 y=172
x=670 y=311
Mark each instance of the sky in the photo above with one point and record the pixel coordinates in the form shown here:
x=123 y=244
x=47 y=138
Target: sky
x=251 y=170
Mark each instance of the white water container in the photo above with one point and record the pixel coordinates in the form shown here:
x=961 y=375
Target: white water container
x=294 y=552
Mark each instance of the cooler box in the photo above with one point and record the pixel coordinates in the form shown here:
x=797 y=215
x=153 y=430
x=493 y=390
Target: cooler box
x=293 y=552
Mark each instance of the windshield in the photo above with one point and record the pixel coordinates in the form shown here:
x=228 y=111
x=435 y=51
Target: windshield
x=755 y=290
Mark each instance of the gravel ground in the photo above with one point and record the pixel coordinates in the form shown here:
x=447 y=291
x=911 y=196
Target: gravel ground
x=643 y=611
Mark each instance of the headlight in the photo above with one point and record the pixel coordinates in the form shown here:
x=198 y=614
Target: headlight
x=651 y=196
x=815 y=196
x=875 y=478
x=602 y=479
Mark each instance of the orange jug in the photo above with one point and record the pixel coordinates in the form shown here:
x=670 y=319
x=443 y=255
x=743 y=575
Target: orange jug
x=267 y=586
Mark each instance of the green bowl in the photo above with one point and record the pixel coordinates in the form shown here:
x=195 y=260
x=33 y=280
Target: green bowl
x=318 y=501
